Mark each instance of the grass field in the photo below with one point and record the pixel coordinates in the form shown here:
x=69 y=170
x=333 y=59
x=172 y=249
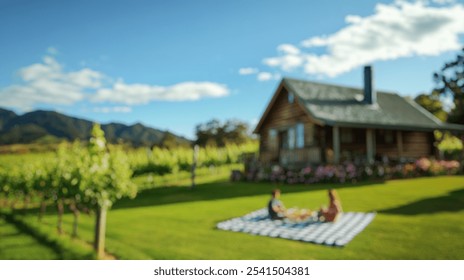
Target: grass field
x=417 y=219
x=16 y=245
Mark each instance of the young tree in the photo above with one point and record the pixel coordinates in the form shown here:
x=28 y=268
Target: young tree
x=15 y=185
x=42 y=187
x=72 y=179
x=61 y=182
x=107 y=179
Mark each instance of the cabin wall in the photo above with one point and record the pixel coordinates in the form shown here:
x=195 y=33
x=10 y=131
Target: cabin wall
x=283 y=115
x=418 y=144
x=414 y=145
x=318 y=140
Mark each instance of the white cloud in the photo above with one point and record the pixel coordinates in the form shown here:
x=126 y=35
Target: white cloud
x=141 y=93
x=315 y=42
x=48 y=83
x=287 y=62
x=353 y=19
x=443 y=2
x=288 y=49
x=266 y=76
x=400 y=29
x=248 y=71
x=116 y=109
x=260 y=76
x=289 y=59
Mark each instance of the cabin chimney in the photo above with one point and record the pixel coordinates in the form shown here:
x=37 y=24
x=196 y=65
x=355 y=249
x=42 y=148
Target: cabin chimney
x=370 y=96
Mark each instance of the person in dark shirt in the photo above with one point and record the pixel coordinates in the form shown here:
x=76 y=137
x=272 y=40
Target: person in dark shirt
x=275 y=207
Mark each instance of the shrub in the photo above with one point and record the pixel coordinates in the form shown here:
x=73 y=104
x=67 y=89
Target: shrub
x=351 y=172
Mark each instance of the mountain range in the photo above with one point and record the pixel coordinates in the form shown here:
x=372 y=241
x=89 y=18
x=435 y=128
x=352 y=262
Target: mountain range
x=49 y=126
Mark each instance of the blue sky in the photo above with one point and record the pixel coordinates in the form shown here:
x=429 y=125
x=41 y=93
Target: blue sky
x=175 y=64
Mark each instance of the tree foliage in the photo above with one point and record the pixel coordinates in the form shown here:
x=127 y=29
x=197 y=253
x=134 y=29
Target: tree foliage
x=450 y=83
x=91 y=177
x=172 y=141
x=216 y=133
x=433 y=104
x=108 y=177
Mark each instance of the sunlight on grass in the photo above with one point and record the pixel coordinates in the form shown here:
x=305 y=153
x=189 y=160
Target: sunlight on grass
x=417 y=219
x=15 y=245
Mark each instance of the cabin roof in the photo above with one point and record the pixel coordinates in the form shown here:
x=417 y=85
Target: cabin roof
x=343 y=106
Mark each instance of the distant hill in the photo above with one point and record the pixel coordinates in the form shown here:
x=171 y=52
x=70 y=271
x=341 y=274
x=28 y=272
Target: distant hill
x=37 y=126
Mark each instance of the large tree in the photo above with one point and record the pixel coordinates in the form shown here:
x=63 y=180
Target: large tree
x=433 y=104
x=450 y=84
x=218 y=134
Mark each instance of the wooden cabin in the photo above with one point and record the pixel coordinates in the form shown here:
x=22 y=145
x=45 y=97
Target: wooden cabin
x=311 y=123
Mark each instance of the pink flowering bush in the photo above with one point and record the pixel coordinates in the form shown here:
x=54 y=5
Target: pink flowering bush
x=351 y=172
x=423 y=164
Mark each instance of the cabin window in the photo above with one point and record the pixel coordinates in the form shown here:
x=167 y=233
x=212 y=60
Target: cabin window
x=300 y=139
x=291 y=97
x=272 y=133
x=291 y=138
x=283 y=139
x=346 y=135
x=309 y=134
x=272 y=139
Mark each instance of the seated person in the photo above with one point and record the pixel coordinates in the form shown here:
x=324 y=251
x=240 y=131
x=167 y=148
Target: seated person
x=275 y=207
x=331 y=213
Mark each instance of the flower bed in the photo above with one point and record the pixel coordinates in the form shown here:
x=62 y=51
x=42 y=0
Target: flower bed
x=350 y=172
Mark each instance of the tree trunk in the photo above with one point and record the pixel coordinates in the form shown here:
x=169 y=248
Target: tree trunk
x=26 y=203
x=60 y=215
x=76 y=214
x=196 y=150
x=193 y=175
x=43 y=208
x=100 y=230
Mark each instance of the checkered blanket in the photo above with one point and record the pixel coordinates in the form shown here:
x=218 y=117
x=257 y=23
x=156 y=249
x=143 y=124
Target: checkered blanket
x=331 y=234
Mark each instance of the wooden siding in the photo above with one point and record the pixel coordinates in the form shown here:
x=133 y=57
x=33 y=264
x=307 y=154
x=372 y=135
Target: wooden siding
x=300 y=157
x=284 y=114
x=281 y=116
x=417 y=144
x=318 y=145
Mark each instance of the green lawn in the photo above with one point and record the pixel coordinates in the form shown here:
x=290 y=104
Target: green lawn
x=16 y=245
x=417 y=219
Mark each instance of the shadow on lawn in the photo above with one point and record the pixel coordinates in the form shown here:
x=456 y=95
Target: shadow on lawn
x=22 y=229
x=220 y=190
x=453 y=202
x=61 y=247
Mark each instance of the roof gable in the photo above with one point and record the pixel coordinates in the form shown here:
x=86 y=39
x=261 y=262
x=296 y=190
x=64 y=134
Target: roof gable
x=280 y=90
x=343 y=106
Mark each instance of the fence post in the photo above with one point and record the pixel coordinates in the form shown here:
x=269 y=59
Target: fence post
x=196 y=150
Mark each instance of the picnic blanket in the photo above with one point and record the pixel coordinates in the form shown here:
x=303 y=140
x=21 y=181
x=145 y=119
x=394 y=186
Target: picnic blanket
x=331 y=234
